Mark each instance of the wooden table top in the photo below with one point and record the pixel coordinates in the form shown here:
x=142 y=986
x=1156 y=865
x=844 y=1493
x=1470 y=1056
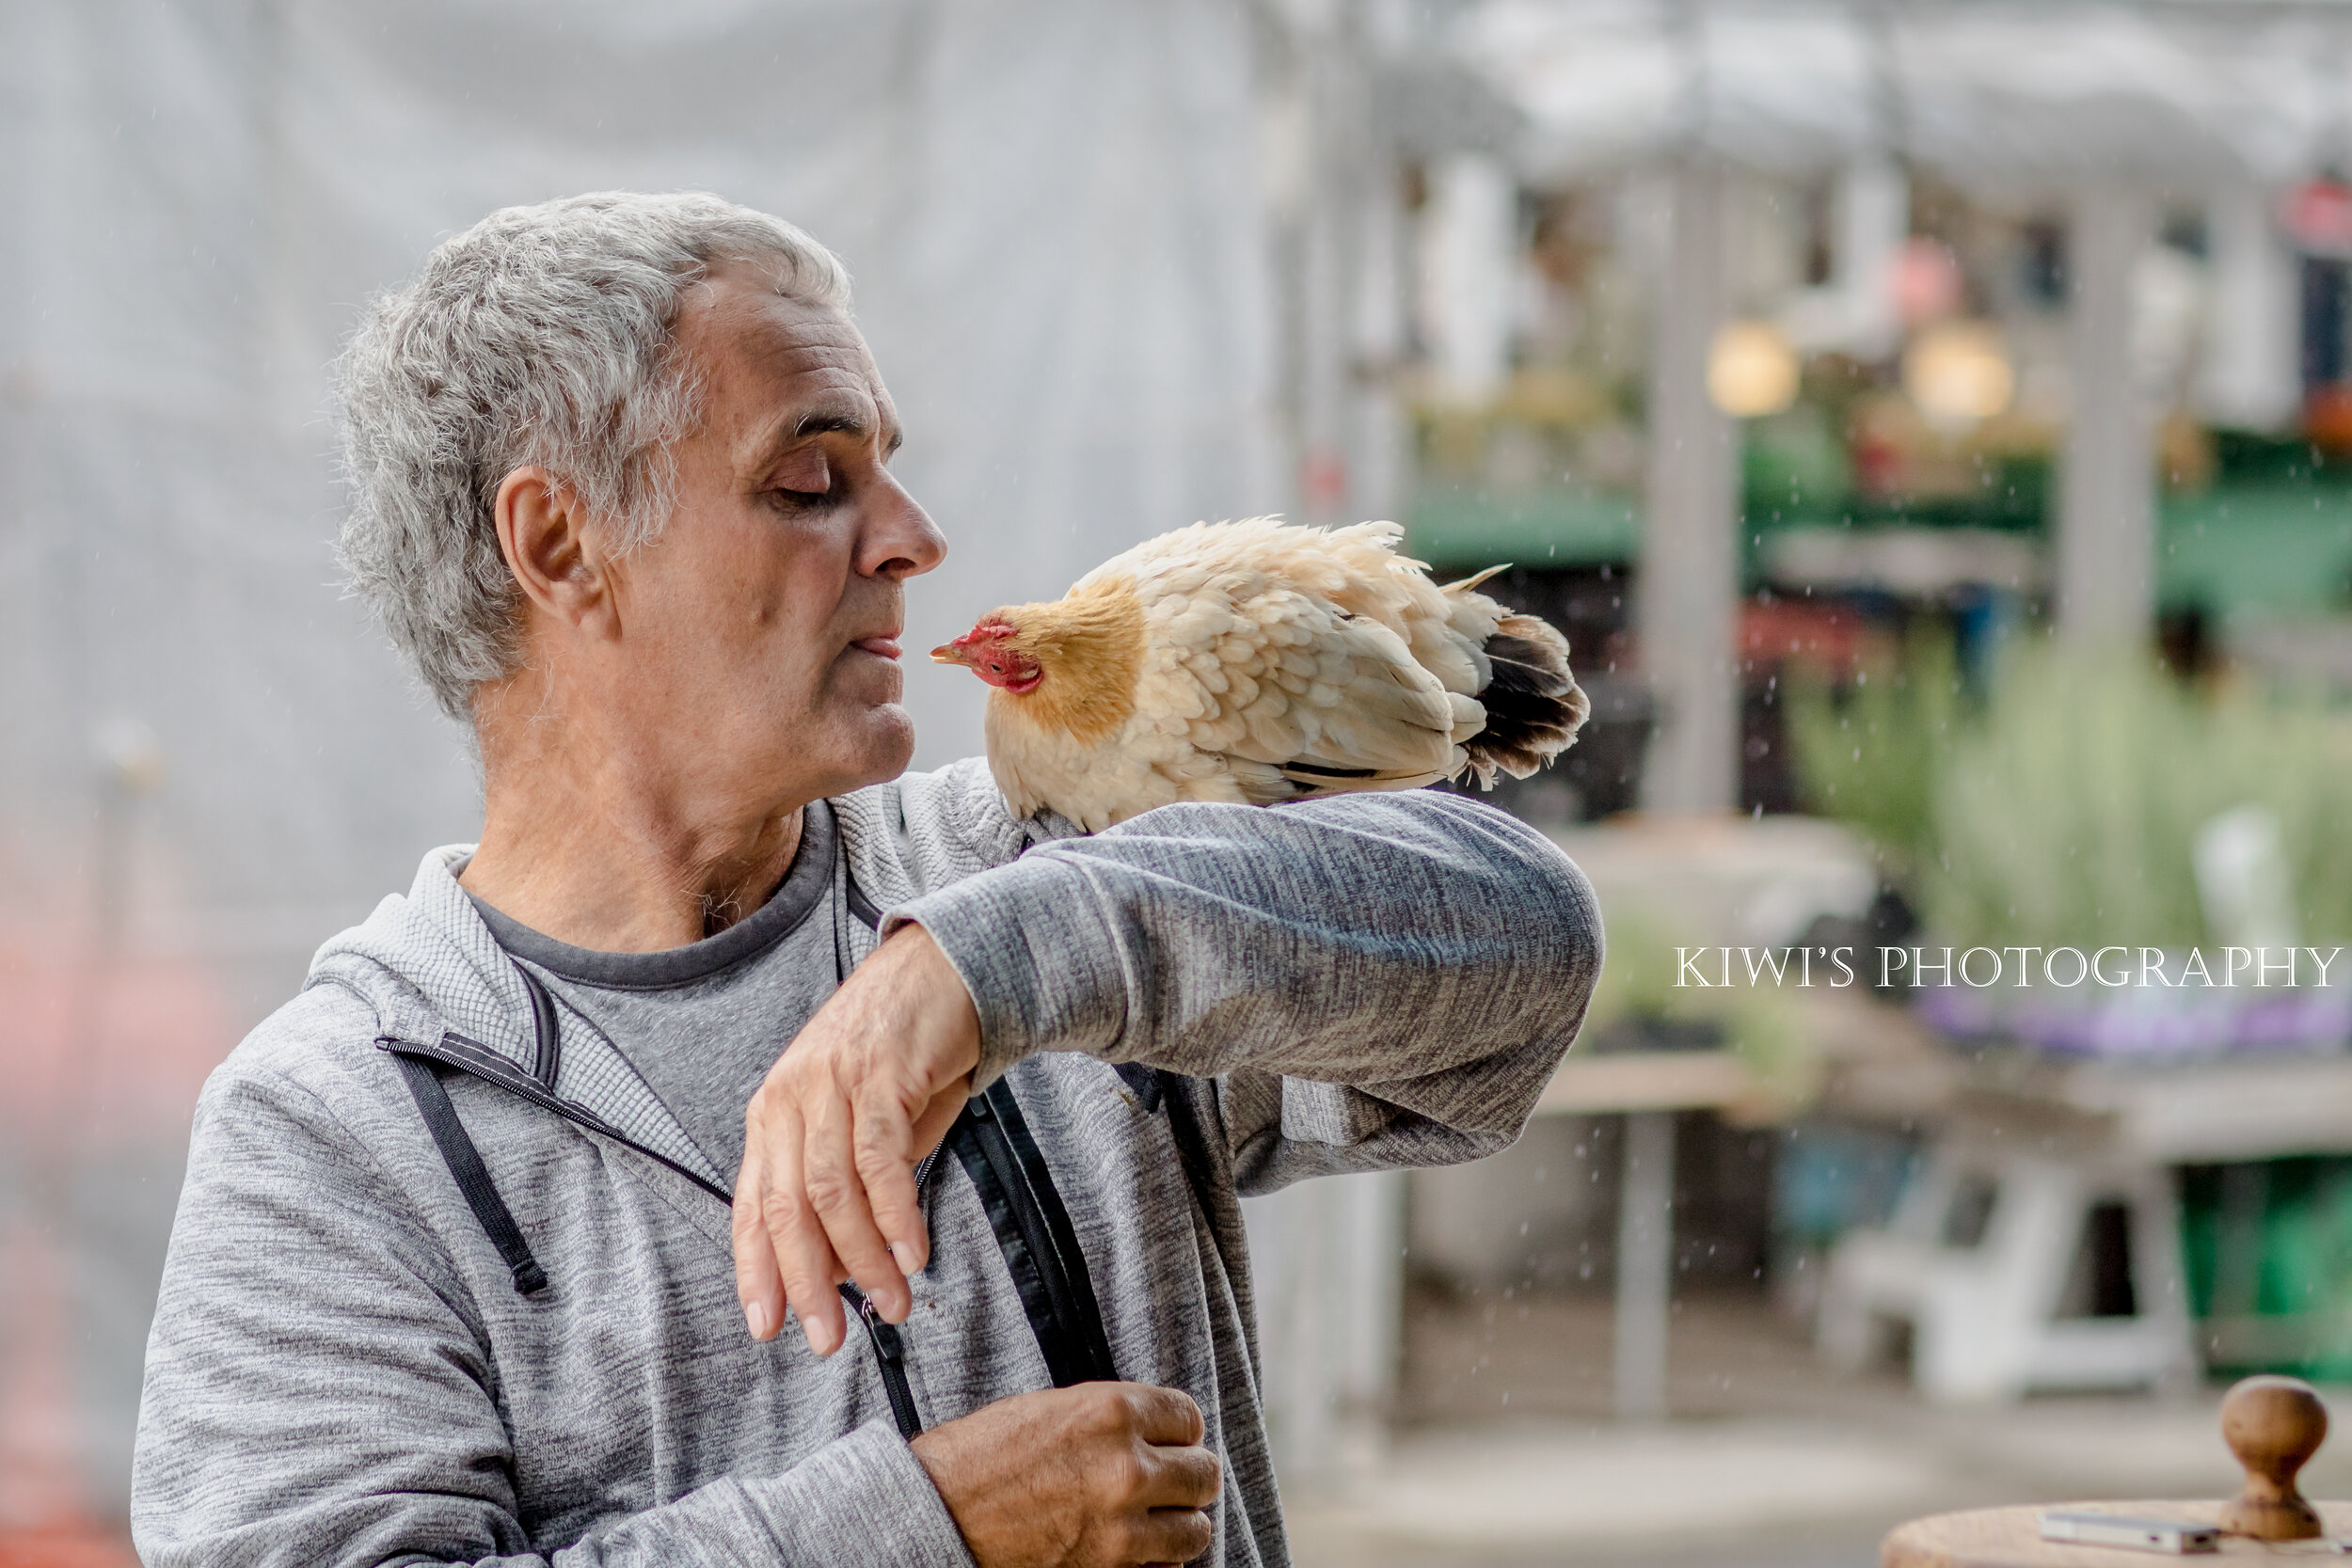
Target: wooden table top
x=2011 y=1538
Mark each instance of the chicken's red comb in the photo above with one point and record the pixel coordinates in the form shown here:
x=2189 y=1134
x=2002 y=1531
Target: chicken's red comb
x=987 y=632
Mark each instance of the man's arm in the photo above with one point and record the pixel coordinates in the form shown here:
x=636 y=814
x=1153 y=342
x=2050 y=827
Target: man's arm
x=317 y=1393
x=1374 y=979
x=1429 y=953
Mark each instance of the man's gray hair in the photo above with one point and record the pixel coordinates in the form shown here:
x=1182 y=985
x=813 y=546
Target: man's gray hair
x=540 y=336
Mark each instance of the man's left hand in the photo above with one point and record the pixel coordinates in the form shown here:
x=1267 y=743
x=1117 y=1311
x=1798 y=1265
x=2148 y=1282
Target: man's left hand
x=831 y=1138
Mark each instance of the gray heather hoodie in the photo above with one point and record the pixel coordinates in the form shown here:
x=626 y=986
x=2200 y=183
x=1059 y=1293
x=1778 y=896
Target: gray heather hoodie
x=343 y=1373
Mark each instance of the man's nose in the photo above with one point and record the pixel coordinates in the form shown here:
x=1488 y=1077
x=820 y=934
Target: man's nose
x=902 y=541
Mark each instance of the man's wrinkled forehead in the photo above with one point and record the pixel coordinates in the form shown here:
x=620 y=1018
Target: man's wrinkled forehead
x=774 y=366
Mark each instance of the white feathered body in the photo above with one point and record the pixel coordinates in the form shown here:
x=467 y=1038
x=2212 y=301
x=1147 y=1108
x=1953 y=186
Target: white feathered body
x=1256 y=662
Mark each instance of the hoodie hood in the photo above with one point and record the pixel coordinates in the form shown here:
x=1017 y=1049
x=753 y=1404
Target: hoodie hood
x=428 y=964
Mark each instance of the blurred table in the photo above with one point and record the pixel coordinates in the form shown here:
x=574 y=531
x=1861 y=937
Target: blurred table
x=2011 y=1538
x=1647 y=1088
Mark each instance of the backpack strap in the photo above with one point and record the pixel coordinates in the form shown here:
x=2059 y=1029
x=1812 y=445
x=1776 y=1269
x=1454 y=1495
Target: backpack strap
x=1040 y=1248
x=992 y=1142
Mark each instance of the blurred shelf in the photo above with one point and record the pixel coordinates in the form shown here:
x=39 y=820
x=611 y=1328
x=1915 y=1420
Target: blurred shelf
x=1609 y=1082
x=2190 y=1113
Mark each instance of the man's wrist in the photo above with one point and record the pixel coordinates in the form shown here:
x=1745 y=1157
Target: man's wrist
x=1036 y=953
x=928 y=980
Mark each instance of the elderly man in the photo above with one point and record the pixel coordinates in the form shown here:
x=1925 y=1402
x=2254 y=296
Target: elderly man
x=455 y=1276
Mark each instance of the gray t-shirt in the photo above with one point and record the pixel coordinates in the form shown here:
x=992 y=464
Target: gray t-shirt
x=702 y=1023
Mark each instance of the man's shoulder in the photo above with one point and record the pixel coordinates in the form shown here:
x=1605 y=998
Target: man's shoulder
x=922 y=831
x=319 y=1045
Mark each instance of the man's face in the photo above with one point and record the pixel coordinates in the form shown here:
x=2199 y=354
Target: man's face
x=762 y=625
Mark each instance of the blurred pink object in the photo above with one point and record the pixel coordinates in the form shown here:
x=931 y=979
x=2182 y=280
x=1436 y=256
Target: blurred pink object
x=1925 y=281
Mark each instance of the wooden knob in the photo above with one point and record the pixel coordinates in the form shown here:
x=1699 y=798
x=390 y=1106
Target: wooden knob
x=2273 y=1424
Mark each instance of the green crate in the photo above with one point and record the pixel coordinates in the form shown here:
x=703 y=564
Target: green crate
x=2269 y=1251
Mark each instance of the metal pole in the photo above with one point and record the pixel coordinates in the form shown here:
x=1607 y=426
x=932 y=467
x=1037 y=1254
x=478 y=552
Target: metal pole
x=1645 y=1264
x=2106 y=533
x=1688 y=586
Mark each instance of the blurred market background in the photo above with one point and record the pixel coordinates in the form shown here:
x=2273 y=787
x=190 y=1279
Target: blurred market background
x=1930 y=421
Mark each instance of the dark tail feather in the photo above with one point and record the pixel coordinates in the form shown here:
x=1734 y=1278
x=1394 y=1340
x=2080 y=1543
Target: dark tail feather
x=1534 y=706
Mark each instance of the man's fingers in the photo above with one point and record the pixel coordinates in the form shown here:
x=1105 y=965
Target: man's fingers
x=1171 y=1535
x=901 y=1036
x=885 y=1163
x=797 y=1238
x=836 y=1191
x=757 y=1284
x=940 y=1114
x=1182 y=1478
x=806 y=1265
x=1165 y=1417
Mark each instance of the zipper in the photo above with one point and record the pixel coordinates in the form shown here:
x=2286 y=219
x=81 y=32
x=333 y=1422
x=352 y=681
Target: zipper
x=479 y=1061
x=890 y=1359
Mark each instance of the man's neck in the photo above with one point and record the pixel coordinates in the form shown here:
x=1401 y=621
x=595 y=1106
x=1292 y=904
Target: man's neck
x=608 y=853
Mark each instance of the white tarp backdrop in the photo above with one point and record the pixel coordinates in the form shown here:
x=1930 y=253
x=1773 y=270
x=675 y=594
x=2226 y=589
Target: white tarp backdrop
x=1052 y=214
x=2185 y=94
x=1048 y=206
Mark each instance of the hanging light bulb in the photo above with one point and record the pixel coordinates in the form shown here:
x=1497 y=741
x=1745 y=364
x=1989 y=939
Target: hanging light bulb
x=1750 y=370
x=1958 y=372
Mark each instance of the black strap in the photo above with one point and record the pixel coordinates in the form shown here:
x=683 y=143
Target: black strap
x=1048 y=1271
x=1087 y=1316
x=473 y=1176
x=1145 y=1081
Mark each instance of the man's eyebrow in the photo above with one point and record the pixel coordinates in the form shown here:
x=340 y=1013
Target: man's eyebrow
x=820 y=425
x=825 y=423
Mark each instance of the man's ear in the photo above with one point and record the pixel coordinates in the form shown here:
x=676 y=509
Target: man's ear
x=556 y=551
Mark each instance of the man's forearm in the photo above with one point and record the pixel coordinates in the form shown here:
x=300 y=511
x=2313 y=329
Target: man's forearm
x=1373 y=940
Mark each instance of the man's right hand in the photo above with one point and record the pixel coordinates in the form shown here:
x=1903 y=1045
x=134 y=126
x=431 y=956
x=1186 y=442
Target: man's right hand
x=1103 y=1475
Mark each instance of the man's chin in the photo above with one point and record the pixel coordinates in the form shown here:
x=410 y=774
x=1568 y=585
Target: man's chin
x=884 y=744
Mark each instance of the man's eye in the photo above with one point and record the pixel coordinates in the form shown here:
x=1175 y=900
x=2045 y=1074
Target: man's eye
x=807 y=479
x=826 y=493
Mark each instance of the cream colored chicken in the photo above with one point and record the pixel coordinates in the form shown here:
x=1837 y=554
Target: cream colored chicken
x=1259 y=663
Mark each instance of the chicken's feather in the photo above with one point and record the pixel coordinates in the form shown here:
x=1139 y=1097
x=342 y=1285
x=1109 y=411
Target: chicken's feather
x=1278 y=662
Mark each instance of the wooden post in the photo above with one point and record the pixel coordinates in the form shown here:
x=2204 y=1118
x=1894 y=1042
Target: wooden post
x=1688 y=584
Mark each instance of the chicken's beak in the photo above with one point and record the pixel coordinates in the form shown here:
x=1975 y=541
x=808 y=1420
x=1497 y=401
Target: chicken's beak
x=948 y=653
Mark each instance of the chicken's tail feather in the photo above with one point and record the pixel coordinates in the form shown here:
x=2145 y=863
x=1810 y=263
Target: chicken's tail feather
x=1534 y=706
x=1471 y=584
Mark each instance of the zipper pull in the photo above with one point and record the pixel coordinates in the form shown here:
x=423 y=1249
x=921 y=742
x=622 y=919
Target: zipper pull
x=886 y=1342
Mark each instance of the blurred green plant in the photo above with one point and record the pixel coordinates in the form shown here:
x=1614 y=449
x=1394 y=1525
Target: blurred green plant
x=2069 y=815
x=2066 y=810
x=1870 y=756
x=1759 y=1023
